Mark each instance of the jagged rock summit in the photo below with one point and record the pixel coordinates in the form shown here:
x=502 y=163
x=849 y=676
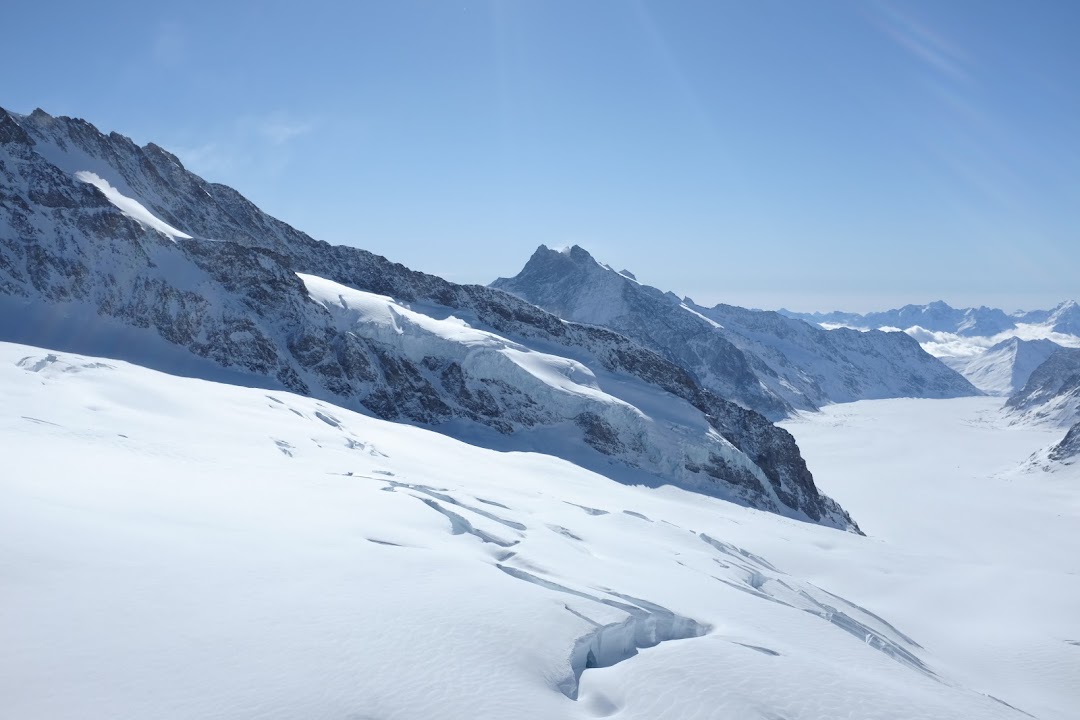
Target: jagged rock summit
x=763 y=360
x=116 y=250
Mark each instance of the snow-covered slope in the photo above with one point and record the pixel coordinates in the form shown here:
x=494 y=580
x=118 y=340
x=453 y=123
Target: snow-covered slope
x=177 y=548
x=1052 y=393
x=948 y=481
x=1004 y=368
x=800 y=363
x=116 y=250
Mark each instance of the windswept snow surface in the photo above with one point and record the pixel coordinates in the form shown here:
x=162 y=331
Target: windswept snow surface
x=178 y=548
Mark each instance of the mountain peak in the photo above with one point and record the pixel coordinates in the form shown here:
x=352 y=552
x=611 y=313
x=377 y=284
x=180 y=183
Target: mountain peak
x=549 y=265
x=1067 y=306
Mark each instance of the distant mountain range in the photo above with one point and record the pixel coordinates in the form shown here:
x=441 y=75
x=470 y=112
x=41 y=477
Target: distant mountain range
x=766 y=361
x=941 y=317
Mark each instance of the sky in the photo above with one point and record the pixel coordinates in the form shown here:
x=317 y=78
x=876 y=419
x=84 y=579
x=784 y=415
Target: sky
x=821 y=155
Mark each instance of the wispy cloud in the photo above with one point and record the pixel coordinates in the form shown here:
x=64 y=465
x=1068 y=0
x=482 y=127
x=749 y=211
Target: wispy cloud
x=279 y=129
x=250 y=144
x=210 y=159
x=926 y=45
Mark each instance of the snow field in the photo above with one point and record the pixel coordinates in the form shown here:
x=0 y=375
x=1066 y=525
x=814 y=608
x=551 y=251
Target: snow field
x=179 y=548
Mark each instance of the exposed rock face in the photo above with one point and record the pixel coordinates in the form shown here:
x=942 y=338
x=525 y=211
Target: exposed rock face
x=87 y=267
x=1068 y=450
x=1052 y=393
x=762 y=360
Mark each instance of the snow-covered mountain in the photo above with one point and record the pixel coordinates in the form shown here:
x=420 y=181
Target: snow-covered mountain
x=175 y=548
x=1004 y=369
x=116 y=250
x=937 y=316
x=1052 y=392
x=803 y=365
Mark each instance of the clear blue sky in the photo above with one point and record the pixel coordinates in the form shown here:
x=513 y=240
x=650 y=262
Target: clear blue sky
x=815 y=155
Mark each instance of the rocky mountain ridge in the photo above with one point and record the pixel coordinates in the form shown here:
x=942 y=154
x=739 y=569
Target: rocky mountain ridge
x=119 y=244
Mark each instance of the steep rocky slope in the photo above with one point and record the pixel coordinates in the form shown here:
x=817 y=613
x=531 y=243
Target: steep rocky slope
x=1068 y=450
x=1052 y=393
